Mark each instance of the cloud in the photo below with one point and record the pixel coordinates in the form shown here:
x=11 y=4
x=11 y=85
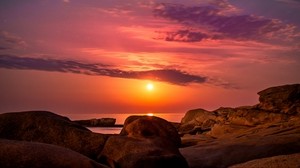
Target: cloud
x=11 y=41
x=164 y=75
x=213 y=20
x=183 y=36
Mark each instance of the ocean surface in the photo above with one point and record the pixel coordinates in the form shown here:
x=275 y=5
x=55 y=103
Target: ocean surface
x=106 y=130
x=120 y=118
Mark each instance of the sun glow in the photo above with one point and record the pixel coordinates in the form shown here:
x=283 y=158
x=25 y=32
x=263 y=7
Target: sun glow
x=150 y=86
x=150 y=114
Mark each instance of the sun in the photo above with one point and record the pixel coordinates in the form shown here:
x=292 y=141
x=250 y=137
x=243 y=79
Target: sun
x=150 y=114
x=150 y=86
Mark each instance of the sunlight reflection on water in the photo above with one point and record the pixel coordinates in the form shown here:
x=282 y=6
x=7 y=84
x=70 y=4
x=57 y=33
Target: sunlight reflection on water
x=120 y=118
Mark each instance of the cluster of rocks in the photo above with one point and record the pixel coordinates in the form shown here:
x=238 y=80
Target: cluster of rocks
x=263 y=135
x=228 y=136
x=44 y=139
x=101 y=122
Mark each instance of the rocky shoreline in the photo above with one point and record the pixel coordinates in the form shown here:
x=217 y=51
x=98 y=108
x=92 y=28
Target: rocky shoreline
x=262 y=135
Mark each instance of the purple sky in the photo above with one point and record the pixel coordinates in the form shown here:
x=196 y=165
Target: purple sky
x=96 y=56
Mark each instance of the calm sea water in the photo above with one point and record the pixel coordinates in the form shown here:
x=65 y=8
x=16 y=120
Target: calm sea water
x=106 y=130
x=120 y=118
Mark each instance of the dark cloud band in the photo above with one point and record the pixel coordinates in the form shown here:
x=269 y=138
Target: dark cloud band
x=217 y=23
x=165 y=75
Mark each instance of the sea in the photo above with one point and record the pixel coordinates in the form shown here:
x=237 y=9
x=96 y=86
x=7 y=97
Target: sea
x=120 y=118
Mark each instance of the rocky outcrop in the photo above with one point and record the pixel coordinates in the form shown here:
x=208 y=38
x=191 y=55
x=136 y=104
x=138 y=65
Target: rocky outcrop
x=144 y=142
x=277 y=104
x=102 y=122
x=229 y=136
x=14 y=154
x=282 y=99
x=47 y=127
x=241 y=145
x=291 y=161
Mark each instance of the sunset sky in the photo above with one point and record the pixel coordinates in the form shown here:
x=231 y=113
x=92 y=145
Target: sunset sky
x=99 y=56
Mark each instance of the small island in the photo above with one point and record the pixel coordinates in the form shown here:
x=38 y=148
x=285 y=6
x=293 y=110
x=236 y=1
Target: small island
x=101 y=122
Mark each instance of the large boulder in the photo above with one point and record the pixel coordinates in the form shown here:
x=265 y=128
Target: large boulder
x=21 y=154
x=284 y=99
x=128 y=152
x=292 y=161
x=150 y=126
x=47 y=127
x=144 y=142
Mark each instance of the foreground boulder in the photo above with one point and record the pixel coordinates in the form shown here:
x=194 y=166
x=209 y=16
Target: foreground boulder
x=273 y=162
x=241 y=146
x=47 y=127
x=144 y=142
x=19 y=154
x=150 y=126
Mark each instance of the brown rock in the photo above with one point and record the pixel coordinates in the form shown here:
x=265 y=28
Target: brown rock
x=286 y=161
x=194 y=119
x=22 y=154
x=47 y=127
x=150 y=126
x=244 y=145
x=144 y=142
x=101 y=122
x=284 y=99
x=128 y=152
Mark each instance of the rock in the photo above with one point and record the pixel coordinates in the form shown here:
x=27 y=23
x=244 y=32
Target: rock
x=47 y=127
x=17 y=154
x=197 y=118
x=237 y=135
x=102 y=122
x=146 y=153
x=244 y=145
x=146 y=142
x=150 y=126
x=288 y=161
x=283 y=99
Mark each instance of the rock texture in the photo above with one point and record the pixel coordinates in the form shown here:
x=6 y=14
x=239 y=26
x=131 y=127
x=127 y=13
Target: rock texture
x=22 y=154
x=47 y=127
x=144 y=142
x=150 y=126
x=228 y=136
x=102 y=122
x=282 y=99
x=286 y=161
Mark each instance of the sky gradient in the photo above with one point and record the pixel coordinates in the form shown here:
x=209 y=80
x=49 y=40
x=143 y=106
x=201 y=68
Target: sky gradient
x=97 y=56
